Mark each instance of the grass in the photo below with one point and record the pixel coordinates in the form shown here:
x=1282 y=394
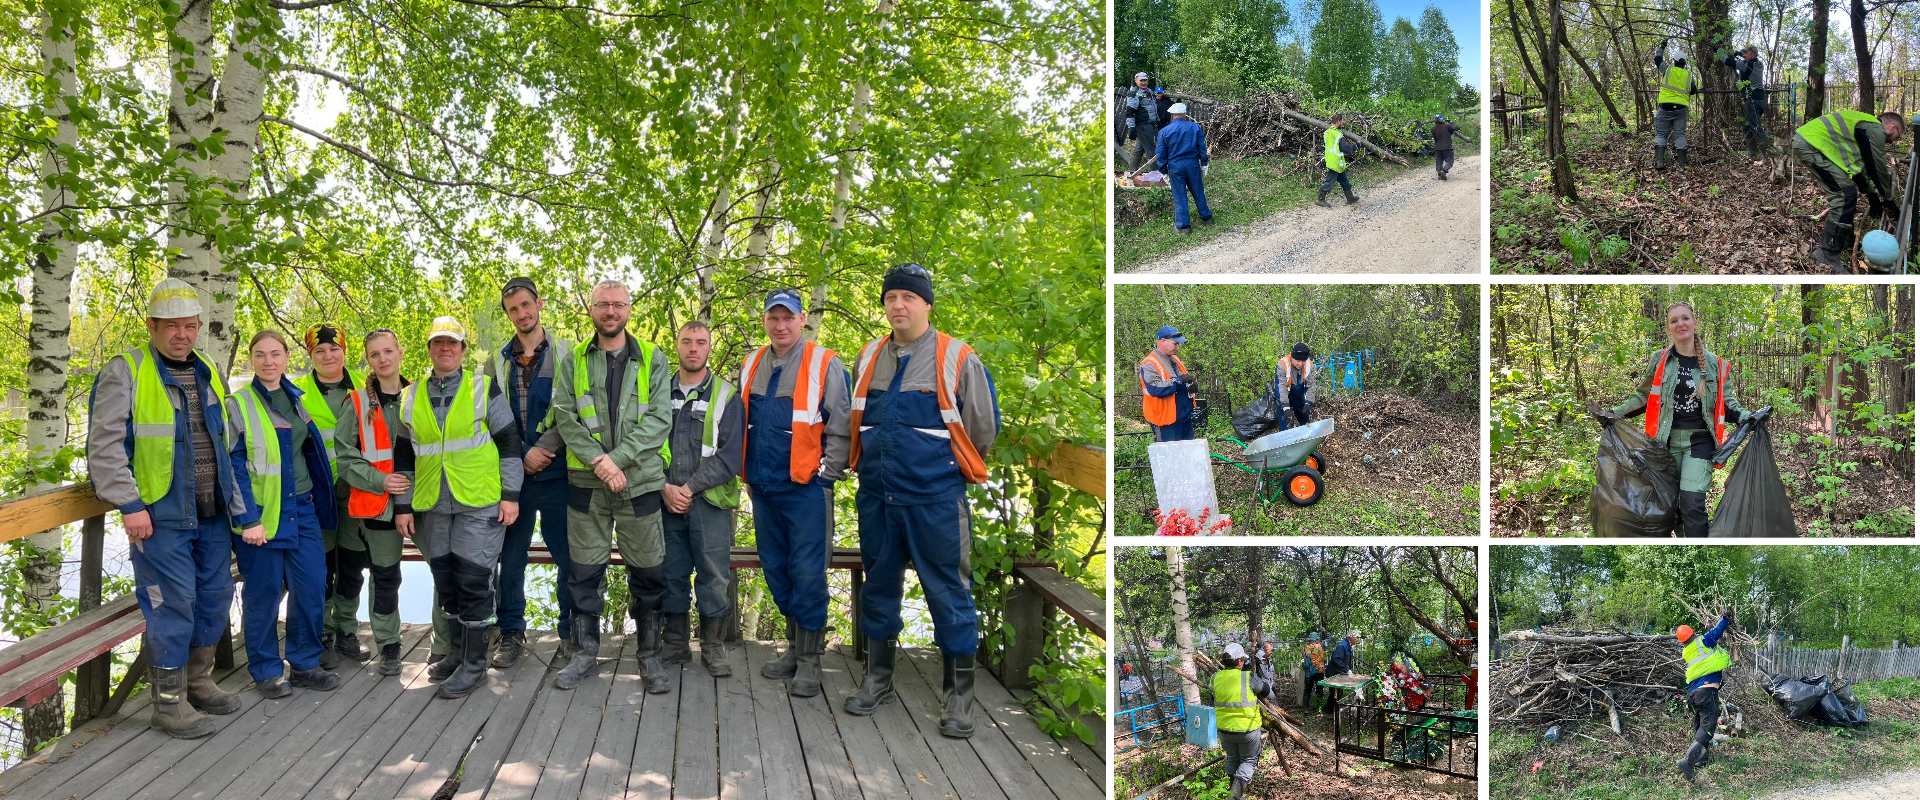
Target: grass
x=1238 y=192
x=1765 y=760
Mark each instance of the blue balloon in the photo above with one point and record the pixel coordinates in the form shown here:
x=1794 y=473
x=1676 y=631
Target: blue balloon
x=1880 y=248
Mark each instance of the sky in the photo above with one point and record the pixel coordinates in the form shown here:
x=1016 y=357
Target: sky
x=1463 y=16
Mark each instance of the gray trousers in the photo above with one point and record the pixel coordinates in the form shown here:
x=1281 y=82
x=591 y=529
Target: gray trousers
x=461 y=549
x=1670 y=124
x=700 y=547
x=1143 y=147
x=1243 y=752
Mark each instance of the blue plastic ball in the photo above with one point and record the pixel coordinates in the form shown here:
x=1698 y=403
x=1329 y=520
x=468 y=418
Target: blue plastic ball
x=1880 y=248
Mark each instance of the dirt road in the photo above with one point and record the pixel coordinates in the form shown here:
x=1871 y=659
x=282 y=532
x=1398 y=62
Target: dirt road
x=1894 y=786
x=1413 y=223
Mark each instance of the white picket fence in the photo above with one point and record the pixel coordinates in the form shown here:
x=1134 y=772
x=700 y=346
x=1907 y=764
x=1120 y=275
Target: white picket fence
x=1853 y=663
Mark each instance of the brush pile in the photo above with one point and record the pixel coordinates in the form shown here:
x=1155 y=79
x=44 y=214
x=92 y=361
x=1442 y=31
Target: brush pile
x=1566 y=675
x=1273 y=123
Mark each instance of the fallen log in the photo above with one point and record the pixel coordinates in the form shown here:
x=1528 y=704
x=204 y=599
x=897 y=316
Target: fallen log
x=1377 y=150
x=1598 y=640
x=1274 y=719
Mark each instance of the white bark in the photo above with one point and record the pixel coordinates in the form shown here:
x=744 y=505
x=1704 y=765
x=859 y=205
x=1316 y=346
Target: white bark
x=716 y=242
x=843 y=179
x=761 y=233
x=1182 y=631
x=237 y=113
x=189 y=121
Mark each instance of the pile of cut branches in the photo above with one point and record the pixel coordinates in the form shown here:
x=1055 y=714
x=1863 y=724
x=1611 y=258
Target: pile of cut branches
x=1274 y=123
x=1565 y=675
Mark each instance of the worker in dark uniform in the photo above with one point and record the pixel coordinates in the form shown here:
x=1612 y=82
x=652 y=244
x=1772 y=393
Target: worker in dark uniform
x=1143 y=121
x=1293 y=387
x=1443 y=131
x=701 y=495
x=1705 y=665
x=1847 y=151
x=1182 y=153
x=1678 y=85
x=1753 y=96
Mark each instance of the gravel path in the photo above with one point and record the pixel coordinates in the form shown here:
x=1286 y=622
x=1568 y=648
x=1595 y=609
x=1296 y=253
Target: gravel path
x=1895 y=786
x=1413 y=223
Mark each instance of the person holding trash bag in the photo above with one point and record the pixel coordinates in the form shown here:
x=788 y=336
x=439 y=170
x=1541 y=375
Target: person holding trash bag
x=1237 y=714
x=1705 y=665
x=1687 y=400
x=1293 y=387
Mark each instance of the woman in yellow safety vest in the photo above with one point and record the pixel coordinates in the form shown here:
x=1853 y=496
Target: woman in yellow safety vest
x=1688 y=407
x=280 y=450
x=1237 y=692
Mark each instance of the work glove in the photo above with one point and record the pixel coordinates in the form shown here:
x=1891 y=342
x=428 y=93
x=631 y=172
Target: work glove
x=1132 y=134
x=1887 y=207
x=1761 y=415
x=1187 y=380
x=1130 y=123
x=1203 y=170
x=1727 y=615
x=1875 y=208
x=1606 y=416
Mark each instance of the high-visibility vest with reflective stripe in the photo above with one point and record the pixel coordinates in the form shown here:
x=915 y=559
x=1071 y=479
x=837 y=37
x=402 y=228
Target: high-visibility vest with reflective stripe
x=1676 y=88
x=950 y=353
x=376 y=444
x=249 y=414
x=584 y=405
x=809 y=421
x=1832 y=135
x=1284 y=373
x=321 y=411
x=1335 y=161
x=1235 y=709
x=463 y=449
x=714 y=405
x=1704 y=660
x=1718 y=423
x=1160 y=410
x=153 y=423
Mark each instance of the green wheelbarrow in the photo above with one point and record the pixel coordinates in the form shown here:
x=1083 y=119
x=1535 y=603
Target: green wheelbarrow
x=1287 y=463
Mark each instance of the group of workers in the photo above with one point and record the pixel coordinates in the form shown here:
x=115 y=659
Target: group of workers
x=1167 y=387
x=310 y=483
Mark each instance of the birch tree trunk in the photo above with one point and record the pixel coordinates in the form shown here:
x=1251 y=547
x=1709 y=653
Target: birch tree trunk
x=47 y=336
x=189 y=121
x=761 y=233
x=237 y=114
x=843 y=178
x=1182 y=630
x=710 y=254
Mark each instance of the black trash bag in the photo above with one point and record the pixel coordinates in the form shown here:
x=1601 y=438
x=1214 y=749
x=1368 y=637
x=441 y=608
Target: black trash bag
x=1799 y=697
x=1636 y=487
x=1256 y=419
x=1755 y=503
x=1856 y=716
x=1832 y=713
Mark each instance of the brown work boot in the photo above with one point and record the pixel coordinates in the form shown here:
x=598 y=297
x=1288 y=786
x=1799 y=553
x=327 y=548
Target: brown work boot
x=171 y=711
x=202 y=692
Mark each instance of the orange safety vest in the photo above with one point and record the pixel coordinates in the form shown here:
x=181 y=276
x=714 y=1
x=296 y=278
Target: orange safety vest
x=809 y=425
x=1286 y=370
x=1159 y=410
x=1719 y=404
x=363 y=504
x=951 y=353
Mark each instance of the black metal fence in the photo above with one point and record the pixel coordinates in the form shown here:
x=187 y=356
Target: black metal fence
x=1442 y=737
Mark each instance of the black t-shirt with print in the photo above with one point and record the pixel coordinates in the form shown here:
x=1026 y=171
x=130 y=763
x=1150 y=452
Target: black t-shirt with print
x=1687 y=413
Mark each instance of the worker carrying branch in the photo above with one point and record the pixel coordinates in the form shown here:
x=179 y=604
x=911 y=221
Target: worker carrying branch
x=1751 y=79
x=1678 y=85
x=1237 y=691
x=1847 y=151
x=1706 y=663
x=1338 y=150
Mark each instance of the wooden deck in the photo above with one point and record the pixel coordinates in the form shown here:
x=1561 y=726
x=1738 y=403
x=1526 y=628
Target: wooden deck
x=735 y=738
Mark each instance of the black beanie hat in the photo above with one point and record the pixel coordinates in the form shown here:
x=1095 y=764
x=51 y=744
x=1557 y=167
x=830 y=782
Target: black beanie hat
x=911 y=277
x=1301 y=353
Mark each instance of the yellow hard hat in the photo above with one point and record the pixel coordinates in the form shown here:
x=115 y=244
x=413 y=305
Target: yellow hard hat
x=447 y=327
x=174 y=299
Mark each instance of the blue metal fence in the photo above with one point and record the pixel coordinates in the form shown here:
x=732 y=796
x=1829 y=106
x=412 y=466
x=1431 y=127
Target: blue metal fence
x=1150 y=721
x=1344 y=371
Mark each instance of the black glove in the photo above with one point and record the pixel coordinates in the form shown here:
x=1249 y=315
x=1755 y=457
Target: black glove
x=1761 y=415
x=1875 y=208
x=1727 y=615
x=1606 y=416
x=1887 y=207
x=1133 y=134
x=1187 y=378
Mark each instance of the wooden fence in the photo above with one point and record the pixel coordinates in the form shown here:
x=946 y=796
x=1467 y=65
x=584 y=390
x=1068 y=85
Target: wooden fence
x=1851 y=663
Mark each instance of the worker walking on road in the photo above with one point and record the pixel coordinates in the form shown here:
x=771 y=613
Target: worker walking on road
x=1338 y=150
x=157 y=445
x=1143 y=122
x=1847 y=151
x=1705 y=663
x=912 y=502
x=1237 y=692
x=613 y=407
x=1753 y=96
x=1678 y=85
x=1443 y=131
x=1166 y=388
x=1182 y=152
x=1293 y=387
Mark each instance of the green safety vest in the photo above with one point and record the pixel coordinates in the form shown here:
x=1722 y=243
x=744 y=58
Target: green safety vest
x=1832 y=135
x=1235 y=708
x=250 y=414
x=322 y=412
x=153 y=422
x=1335 y=161
x=1703 y=660
x=726 y=495
x=1675 y=88
x=590 y=415
x=471 y=462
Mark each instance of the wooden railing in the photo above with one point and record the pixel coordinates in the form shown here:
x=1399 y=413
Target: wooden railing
x=31 y=669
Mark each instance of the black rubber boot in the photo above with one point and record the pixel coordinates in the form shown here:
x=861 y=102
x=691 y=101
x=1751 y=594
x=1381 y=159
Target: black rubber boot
x=390 y=659
x=876 y=689
x=329 y=657
x=652 y=672
x=202 y=693
x=566 y=649
x=1753 y=149
x=674 y=647
x=646 y=635
x=1322 y=202
x=1659 y=156
x=318 y=680
x=444 y=668
x=782 y=668
x=586 y=651
x=1239 y=788
x=472 y=671
x=1827 y=252
x=1693 y=515
x=806 y=671
x=956 y=721
x=1352 y=198
x=713 y=647
x=1680 y=157
x=171 y=711
x=1686 y=762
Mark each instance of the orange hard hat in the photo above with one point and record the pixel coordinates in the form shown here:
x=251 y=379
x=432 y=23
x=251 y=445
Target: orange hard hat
x=1684 y=633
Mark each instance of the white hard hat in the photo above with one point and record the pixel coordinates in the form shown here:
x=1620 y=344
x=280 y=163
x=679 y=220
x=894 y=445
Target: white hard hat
x=1234 y=650
x=174 y=299
x=1178 y=108
x=1353 y=634
x=1139 y=76
x=448 y=328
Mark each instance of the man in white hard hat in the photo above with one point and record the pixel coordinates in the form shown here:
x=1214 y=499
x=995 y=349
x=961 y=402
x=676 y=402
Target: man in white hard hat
x=464 y=492
x=1182 y=152
x=155 y=444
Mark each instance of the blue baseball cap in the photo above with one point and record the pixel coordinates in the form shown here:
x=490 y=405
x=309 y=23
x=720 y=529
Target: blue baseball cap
x=785 y=298
x=1168 y=332
x=1439 y=116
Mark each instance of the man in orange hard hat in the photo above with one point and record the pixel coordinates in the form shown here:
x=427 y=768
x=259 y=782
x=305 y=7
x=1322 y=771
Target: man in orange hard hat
x=1705 y=665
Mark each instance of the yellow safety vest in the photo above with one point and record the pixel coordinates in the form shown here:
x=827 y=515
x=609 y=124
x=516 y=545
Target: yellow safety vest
x=323 y=415
x=1235 y=707
x=1832 y=135
x=1335 y=161
x=1675 y=88
x=1703 y=660
x=249 y=414
x=726 y=495
x=153 y=423
x=584 y=405
x=463 y=449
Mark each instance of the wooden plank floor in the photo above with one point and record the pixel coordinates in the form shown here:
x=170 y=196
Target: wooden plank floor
x=736 y=738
